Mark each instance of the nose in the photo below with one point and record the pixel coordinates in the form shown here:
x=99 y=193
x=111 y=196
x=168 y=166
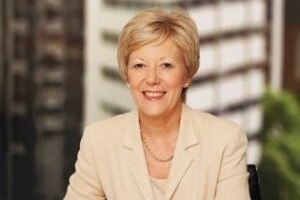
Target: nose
x=152 y=77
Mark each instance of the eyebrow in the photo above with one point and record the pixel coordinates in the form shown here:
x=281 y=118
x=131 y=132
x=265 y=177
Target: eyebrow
x=138 y=58
x=142 y=59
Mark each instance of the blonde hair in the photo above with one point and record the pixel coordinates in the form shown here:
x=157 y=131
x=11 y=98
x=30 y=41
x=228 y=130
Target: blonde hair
x=155 y=25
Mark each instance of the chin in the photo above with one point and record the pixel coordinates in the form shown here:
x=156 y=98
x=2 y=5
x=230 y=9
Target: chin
x=152 y=112
x=156 y=110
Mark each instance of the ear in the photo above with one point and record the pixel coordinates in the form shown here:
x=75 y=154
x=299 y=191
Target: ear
x=187 y=83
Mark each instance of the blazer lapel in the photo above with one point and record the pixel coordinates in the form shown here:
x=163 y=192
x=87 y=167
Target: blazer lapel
x=135 y=157
x=182 y=157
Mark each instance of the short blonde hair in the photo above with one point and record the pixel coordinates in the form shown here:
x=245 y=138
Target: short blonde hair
x=155 y=25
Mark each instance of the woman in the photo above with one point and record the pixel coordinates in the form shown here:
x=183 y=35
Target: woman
x=162 y=149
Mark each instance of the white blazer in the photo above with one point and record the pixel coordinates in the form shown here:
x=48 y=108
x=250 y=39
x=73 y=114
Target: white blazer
x=209 y=161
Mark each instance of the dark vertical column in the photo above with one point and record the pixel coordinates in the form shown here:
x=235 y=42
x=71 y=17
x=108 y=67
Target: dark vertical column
x=21 y=97
x=291 y=69
x=74 y=82
x=3 y=178
x=7 y=43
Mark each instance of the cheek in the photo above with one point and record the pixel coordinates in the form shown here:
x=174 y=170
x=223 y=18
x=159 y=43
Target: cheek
x=176 y=80
x=133 y=80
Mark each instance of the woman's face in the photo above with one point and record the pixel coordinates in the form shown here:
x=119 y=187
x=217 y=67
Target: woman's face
x=156 y=76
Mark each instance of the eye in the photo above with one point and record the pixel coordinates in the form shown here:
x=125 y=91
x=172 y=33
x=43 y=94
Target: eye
x=138 y=66
x=167 y=65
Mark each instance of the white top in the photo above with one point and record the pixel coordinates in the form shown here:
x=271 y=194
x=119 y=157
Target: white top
x=159 y=187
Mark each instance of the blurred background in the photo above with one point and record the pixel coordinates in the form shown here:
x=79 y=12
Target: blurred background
x=58 y=72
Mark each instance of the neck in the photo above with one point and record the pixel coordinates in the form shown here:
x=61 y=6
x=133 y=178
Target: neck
x=161 y=126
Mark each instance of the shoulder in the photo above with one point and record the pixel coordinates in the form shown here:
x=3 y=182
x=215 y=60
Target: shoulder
x=215 y=127
x=110 y=123
x=210 y=121
x=108 y=131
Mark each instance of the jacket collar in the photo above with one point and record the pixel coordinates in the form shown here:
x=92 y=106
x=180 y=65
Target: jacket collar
x=182 y=158
x=135 y=156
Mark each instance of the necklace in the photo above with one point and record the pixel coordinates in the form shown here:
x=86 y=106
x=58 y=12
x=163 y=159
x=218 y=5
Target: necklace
x=151 y=152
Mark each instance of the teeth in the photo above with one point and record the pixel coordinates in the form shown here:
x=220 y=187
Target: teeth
x=154 y=94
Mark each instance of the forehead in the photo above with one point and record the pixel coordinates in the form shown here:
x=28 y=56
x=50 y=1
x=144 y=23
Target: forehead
x=161 y=48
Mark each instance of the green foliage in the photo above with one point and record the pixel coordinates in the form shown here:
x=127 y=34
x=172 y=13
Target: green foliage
x=280 y=167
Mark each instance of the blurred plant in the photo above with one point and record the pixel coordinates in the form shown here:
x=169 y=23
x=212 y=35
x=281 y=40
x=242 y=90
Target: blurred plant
x=279 y=169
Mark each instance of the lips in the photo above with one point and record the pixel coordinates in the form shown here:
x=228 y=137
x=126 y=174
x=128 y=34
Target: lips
x=154 y=95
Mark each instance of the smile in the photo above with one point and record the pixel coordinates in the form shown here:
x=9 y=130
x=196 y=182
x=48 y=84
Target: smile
x=154 y=94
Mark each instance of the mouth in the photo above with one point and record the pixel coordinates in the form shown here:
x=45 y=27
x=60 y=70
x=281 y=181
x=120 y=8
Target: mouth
x=154 y=95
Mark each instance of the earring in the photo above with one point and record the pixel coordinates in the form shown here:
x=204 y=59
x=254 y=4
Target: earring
x=186 y=84
x=127 y=84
